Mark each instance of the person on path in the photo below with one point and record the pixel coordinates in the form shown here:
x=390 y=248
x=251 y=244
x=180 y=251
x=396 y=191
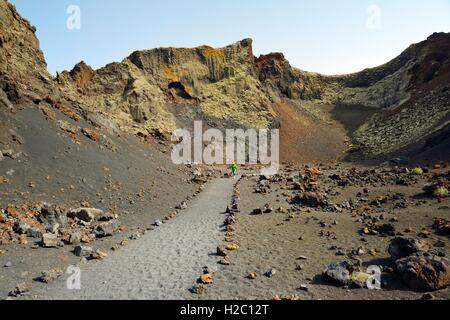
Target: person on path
x=234 y=169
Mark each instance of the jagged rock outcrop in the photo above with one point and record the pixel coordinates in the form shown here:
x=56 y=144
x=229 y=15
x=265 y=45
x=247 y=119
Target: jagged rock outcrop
x=413 y=90
x=138 y=92
x=281 y=80
x=23 y=71
x=152 y=92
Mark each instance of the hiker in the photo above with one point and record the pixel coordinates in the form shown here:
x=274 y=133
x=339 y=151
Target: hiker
x=234 y=169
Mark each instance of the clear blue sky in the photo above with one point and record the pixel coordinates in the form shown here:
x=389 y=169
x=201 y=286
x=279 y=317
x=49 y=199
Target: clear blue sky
x=327 y=36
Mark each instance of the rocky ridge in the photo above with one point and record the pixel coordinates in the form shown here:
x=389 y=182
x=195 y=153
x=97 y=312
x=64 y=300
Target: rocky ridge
x=152 y=92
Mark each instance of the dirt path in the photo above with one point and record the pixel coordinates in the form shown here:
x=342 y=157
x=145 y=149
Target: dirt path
x=164 y=263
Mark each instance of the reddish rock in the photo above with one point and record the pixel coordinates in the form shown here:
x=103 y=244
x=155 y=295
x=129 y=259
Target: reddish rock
x=424 y=272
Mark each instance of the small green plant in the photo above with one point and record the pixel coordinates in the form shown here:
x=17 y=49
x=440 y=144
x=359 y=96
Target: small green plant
x=441 y=192
x=417 y=171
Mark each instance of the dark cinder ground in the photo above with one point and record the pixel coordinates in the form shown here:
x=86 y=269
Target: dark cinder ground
x=276 y=241
x=135 y=181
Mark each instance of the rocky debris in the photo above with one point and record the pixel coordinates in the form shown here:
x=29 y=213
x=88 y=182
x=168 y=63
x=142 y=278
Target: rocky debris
x=91 y=134
x=401 y=247
x=67 y=127
x=252 y=276
x=157 y=223
x=105 y=217
x=380 y=229
x=21 y=227
x=339 y=272
x=34 y=233
x=222 y=251
x=87 y=238
x=234 y=208
x=307 y=181
x=230 y=223
x=303 y=287
x=98 y=255
x=8 y=264
x=424 y=272
x=50 y=275
x=199 y=180
x=75 y=237
x=83 y=251
x=288 y=297
x=263 y=185
x=358 y=252
x=271 y=273
x=20 y=290
x=427 y=296
x=182 y=206
x=106 y=229
x=439 y=244
x=266 y=209
x=232 y=247
x=347 y=273
x=257 y=211
x=55 y=225
x=220 y=68
x=49 y=240
x=310 y=199
x=85 y=214
x=206 y=279
x=53 y=217
x=198 y=289
x=359 y=278
x=210 y=269
x=437 y=189
x=299 y=267
x=425 y=233
x=23 y=240
x=224 y=261
x=135 y=236
x=8 y=153
x=230 y=220
x=429 y=188
x=442 y=226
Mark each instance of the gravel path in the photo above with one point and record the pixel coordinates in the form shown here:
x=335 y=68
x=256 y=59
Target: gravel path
x=164 y=263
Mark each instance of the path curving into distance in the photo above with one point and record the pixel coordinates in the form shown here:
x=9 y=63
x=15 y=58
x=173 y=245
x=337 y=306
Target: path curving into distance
x=163 y=263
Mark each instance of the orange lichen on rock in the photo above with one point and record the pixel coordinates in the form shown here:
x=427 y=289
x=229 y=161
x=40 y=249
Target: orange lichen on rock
x=210 y=52
x=171 y=75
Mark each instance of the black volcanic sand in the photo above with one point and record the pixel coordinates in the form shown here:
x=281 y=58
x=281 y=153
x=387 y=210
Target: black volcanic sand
x=352 y=117
x=266 y=241
x=273 y=241
x=137 y=182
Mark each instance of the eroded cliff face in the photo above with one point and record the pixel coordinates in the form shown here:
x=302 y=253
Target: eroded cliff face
x=137 y=92
x=152 y=92
x=23 y=71
x=414 y=92
x=225 y=85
